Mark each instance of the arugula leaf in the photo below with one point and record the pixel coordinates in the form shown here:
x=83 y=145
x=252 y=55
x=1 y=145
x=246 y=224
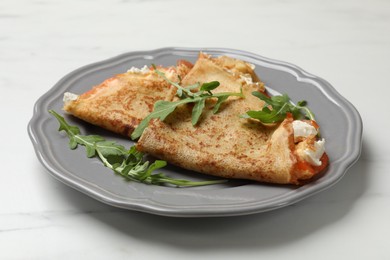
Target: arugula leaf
x=71 y=131
x=220 y=100
x=208 y=86
x=197 y=110
x=128 y=163
x=276 y=109
x=302 y=105
x=162 y=108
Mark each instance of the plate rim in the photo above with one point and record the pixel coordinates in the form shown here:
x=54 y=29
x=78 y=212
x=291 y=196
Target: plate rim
x=149 y=206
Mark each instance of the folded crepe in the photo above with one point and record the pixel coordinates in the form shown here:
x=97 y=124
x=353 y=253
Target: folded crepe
x=221 y=144
x=120 y=103
x=227 y=146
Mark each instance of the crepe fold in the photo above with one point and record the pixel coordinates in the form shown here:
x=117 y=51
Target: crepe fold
x=120 y=103
x=223 y=144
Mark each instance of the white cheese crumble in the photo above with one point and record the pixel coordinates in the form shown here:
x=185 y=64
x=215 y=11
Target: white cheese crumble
x=142 y=70
x=313 y=156
x=68 y=97
x=247 y=78
x=170 y=74
x=303 y=129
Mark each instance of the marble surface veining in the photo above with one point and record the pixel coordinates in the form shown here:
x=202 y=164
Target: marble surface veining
x=345 y=42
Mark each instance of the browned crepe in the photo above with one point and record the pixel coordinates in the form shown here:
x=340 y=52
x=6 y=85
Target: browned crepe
x=121 y=102
x=222 y=144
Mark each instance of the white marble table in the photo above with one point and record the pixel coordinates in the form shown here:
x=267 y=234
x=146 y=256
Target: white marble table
x=345 y=42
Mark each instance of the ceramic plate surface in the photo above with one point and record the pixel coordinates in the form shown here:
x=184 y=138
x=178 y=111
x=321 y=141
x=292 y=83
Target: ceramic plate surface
x=333 y=112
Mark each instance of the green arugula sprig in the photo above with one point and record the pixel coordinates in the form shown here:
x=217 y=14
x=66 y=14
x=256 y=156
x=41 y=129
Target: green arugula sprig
x=127 y=163
x=164 y=108
x=276 y=108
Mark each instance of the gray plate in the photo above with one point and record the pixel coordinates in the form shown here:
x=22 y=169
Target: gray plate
x=340 y=124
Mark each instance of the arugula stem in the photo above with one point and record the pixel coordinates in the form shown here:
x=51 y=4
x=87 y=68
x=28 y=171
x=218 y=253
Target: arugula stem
x=221 y=94
x=180 y=88
x=309 y=114
x=104 y=160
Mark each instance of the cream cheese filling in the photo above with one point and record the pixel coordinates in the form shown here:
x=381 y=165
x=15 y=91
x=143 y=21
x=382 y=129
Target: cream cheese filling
x=310 y=153
x=143 y=70
x=68 y=97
